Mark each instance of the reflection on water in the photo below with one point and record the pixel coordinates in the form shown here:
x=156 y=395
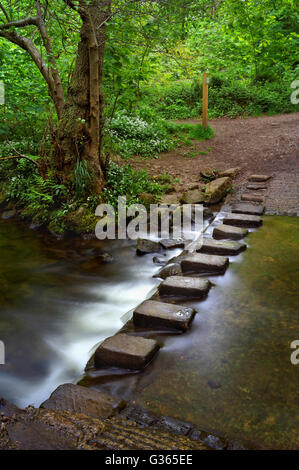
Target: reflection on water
x=231 y=373
x=57 y=301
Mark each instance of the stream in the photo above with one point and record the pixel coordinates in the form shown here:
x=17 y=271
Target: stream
x=230 y=374
x=57 y=301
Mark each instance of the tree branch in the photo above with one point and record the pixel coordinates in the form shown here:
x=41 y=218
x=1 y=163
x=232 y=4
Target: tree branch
x=5 y=12
x=31 y=20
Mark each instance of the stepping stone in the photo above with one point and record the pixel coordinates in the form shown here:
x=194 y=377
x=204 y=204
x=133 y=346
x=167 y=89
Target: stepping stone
x=252 y=197
x=227 y=231
x=243 y=220
x=256 y=186
x=250 y=209
x=259 y=178
x=231 y=172
x=200 y=263
x=152 y=313
x=125 y=351
x=144 y=246
x=214 y=247
x=77 y=399
x=185 y=286
x=169 y=244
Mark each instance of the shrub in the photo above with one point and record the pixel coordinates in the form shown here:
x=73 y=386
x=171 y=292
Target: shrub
x=132 y=135
x=125 y=181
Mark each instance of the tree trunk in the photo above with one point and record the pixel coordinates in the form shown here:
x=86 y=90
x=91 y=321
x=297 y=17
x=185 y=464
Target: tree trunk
x=80 y=129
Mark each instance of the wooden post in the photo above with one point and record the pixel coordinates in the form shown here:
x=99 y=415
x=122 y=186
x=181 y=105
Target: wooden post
x=205 y=92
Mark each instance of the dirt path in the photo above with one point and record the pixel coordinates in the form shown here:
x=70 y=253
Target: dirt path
x=267 y=144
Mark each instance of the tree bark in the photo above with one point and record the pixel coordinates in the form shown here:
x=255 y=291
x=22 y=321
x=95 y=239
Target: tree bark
x=80 y=130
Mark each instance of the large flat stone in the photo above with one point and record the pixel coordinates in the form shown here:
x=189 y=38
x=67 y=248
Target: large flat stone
x=154 y=314
x=243 y=220
x=259 y=178
x=227 y=231
x=216 y=190
x=185 y=286
x=250 y=209
x=77 y=399
x=201 y=263
x=252 y=197
x=225 y=248
x=230 y=172
x=125 y=351
x=256 y=186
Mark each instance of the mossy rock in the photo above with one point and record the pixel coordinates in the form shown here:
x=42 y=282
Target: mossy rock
x=147 y=199
x=80 y=221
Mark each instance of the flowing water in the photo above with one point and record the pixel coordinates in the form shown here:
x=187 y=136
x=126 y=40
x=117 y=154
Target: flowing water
x=230 y=374
x=57 y=301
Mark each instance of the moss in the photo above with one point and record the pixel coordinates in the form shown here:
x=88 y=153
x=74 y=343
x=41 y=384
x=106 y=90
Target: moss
x=80 y=221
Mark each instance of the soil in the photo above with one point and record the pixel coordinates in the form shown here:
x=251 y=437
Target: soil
x=264 y=145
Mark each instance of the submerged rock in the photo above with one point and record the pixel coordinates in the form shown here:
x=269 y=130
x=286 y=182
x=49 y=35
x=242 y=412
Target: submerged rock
x=9 y=214
x=170 y=269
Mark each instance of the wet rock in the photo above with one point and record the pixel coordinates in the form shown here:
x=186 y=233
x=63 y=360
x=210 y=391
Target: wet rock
x=250 y=209
x=125 y=351
x=259 y=178
x=175 y=425
x=140 y=416
x=147 y=246
x=216 y=190
x=214 y=385
x=104 y=258
x=9 y=214
x=227 y=248
x=207 y=213
x=77 y=399
x=168 y=244
x=214 y=442
x=170 y=269
x=201 y=263
x=154 y=314
x=44 y=429
x=243 y=220
x=230 y=172
x=230 y=232
x=160 y=260
x=252 y=197
x=185 y=286
x=193 y=196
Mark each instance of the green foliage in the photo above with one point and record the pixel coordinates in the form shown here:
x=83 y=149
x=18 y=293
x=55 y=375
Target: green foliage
x=124 y=180
x=190 y=131
x=132 y=135
x=82 y=178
